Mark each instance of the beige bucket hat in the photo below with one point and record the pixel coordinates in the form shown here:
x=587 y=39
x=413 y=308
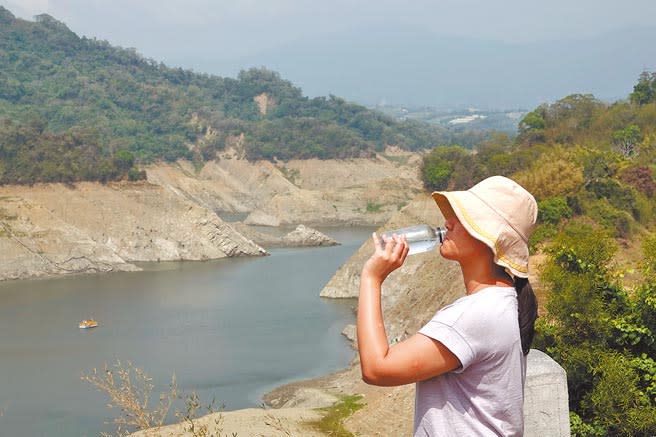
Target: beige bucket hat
x=500 y=213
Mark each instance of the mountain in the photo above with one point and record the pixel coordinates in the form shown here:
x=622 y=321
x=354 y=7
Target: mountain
x=75 y=108
x=406 y=66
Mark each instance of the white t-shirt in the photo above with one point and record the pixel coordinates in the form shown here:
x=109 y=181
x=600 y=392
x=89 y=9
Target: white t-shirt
x=485 y=396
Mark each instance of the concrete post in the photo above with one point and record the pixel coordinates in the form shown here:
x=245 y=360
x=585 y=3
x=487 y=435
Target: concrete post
x=546 y=408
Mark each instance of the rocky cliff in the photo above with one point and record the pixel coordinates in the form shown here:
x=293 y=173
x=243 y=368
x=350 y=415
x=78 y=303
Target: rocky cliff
x=53 y=229
x=56 y=229
x=313 y=192
x=299 y=237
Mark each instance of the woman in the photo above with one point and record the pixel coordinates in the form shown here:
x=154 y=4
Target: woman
x=469 y=361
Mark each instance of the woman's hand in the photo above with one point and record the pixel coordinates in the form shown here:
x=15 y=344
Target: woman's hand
x=385 y=260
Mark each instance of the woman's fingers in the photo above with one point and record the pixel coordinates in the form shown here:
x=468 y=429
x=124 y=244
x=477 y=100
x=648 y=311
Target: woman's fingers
x=400 y=249
x=386 y=259
x=377 y=245
x=388 y=248
x=404 y=248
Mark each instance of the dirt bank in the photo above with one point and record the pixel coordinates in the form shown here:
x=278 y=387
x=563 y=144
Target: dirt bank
x=55 y=229
x=312 y=192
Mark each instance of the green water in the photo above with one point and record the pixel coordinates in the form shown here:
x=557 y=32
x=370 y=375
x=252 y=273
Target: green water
x=229 y=329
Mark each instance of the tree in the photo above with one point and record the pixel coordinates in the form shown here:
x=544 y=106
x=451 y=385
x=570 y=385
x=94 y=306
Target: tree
x=531 y=128
x=645 y=90
x=554 y=173
x=123 y=161
x=438 y=166
x=532 y=121
x=627 y=139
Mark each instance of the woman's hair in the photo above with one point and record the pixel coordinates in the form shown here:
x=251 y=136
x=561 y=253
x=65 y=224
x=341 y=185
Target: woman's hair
x=528 y=312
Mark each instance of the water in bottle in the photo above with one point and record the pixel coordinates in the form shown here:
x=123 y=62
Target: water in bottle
x=420 y=238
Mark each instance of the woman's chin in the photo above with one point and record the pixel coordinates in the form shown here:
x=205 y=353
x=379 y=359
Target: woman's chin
x=445 y=253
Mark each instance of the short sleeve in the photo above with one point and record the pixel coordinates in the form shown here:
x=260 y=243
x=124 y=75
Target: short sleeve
x=443 y=329
x=450 y=338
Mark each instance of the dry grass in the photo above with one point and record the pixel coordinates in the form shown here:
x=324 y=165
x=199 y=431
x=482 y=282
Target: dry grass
x=130 y=391
x=192 y=426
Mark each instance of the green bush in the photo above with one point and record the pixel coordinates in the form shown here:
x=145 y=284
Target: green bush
x=620 y=196
x=136 y=175
x=553 y=210
x=602 y=335
x=438 y=167
x=618 y=222
x=373 y=207
x=332 y=422
x=542 y=233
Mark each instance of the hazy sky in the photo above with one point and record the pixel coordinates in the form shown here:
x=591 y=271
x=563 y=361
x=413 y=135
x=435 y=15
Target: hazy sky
x=216 y=35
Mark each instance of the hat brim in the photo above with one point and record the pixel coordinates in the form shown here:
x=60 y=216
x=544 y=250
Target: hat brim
x=485 y=225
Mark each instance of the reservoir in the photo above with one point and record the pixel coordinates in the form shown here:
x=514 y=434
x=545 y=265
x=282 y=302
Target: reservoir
x=229 y=329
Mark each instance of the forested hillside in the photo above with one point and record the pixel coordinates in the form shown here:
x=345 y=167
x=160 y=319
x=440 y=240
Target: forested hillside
x=578 y=156
x=68 y=105
x=590 y=165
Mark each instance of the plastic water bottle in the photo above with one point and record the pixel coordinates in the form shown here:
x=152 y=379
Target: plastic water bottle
x=420 y=238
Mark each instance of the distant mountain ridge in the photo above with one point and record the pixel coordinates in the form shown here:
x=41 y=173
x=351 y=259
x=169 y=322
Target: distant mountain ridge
x=405 y=66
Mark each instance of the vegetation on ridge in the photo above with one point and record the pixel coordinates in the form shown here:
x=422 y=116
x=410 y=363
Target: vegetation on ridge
x=578 y=156
x=75 y=102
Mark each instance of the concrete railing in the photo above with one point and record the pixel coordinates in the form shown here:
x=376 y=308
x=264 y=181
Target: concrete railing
x=546 y=408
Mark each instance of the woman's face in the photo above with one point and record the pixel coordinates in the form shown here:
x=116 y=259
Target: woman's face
x=459 y=245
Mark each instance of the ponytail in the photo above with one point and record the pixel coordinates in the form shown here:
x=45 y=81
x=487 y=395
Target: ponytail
x=528 y=312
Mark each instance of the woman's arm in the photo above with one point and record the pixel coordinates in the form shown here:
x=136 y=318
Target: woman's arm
x=415 y=359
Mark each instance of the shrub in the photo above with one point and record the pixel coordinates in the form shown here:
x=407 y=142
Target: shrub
x=135 y=175
x=641 y=177
x=130 y=391
x=438 y=166
x=542 y=233
x=620 y=196
x=618 y=222
x=332 y=421
x=552 y=174
x=602 y=335
x=649 y=260
x=553 y=210
x=373 y=207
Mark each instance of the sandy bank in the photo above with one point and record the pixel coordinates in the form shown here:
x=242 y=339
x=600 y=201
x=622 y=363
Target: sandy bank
x=248 y=422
